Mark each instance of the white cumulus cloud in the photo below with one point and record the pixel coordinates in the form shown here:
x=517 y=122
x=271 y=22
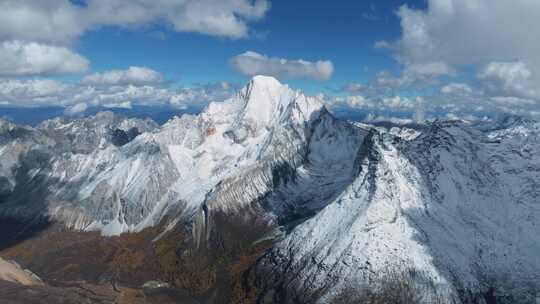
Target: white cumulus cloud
x=133 y=75
x=510 y=78
x=354 y=87
x=44 y=21
x=430 y=69
x=398 y=102
x=76 y=109
x=22 y=59
x=61 y=21
x=226 y=18
x=470 y=31
x=47 y=92
x=36 y=35
x=415 y=74
x=252 y=63
x=32 y=92
x=498 y=39
x=456 y=88
x=119 y=105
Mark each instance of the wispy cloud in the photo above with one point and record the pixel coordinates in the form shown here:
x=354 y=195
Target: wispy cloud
x=133 y=75
x=252 y=63
x=46 y=92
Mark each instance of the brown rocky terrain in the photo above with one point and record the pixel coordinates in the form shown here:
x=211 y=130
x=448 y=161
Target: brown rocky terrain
x=85 y=267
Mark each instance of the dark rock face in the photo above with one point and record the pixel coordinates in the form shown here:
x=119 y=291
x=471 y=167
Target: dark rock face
x=5 y=188
x=120 y=137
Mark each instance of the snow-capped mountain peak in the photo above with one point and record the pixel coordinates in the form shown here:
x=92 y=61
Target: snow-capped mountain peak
x=263 y=103
x=116 y=175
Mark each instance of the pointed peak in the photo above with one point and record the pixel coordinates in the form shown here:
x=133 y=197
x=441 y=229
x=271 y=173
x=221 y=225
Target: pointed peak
x=263 y=102
x=261 y=81
x=511 y=120
x=6 y=125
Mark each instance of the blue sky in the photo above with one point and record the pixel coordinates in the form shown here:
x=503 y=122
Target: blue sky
x=309 y=30
x=452 y=58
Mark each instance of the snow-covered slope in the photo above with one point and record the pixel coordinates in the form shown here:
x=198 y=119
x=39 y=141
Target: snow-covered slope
x=458 y=204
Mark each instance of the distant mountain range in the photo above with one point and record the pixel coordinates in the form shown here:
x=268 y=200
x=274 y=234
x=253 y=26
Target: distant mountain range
x=33 y=116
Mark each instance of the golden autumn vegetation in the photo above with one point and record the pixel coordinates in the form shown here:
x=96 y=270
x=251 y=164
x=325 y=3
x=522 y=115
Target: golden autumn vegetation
x=216 y=267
